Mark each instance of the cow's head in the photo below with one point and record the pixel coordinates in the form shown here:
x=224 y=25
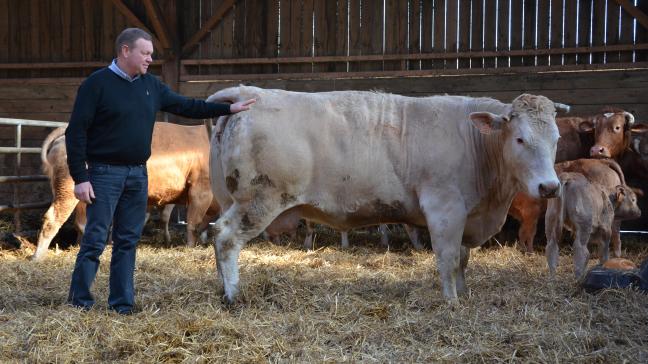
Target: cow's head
x=530 y=136
x=612 y=133
x=639 y=147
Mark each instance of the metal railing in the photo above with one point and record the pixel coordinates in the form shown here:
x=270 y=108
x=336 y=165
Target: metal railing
x=17 y=178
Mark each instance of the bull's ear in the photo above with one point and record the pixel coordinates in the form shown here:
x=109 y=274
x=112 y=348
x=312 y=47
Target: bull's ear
x=486 y=122
x=586 y=126
x=620 y=193
x=638 y=191
x=639 y=128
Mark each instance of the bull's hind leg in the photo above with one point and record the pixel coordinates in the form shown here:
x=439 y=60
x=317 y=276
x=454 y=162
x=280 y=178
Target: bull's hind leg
x=581 y=253
x=56 y=215
x=413 y=234
x=616 y=238
x=197 y=206
x=238 y=225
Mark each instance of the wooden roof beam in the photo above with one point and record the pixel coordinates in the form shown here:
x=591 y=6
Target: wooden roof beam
x=134 y=20
x=634 y=11
x=215 y=19
x=153 y=12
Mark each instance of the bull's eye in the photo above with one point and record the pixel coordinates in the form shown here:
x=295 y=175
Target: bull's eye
x=617 y=128
x=520 y=141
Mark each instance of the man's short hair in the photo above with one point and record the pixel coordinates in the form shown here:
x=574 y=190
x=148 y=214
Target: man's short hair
x=128 y=37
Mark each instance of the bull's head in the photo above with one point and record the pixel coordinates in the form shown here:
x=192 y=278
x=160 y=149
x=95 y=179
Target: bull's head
x=612 y=132
x=530 y=137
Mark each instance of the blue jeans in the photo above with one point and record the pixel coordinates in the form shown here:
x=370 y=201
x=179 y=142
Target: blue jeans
x=121 y=193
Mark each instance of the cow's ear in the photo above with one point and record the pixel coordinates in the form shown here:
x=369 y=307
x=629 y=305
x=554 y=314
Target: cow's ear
x=586 y=126
x=639 y=128
x=486 y=122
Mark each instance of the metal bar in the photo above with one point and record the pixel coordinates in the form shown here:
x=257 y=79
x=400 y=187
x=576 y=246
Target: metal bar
x=19 y=179
x=25 y=206
x=16 y=192
x=10 y=121
x=19 y=150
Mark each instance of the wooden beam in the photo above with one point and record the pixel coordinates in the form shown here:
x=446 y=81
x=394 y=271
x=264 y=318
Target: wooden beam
x=219 y=14
x=416 y=56
x=134 y=20
x=641 y=17
x=59 y=65
x=416 y=73
x=153 y=12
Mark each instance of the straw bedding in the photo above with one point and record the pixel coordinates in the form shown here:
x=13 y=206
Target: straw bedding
x=368 y=304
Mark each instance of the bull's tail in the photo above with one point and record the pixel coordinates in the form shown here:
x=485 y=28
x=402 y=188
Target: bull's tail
x=616 y=168
x=47 y=143
x=229 y=95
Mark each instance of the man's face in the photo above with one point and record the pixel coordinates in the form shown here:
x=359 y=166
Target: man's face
x=139 y=57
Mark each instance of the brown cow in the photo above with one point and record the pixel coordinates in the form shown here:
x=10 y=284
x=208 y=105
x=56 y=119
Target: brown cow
x=636 y=160
x=588 y=210
x=178 y=172
x=580 y=137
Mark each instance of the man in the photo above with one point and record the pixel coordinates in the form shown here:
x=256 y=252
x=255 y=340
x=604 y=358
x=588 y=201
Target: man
x=110 y=132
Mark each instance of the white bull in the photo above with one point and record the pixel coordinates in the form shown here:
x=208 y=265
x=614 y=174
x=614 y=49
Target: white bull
x=350 y=159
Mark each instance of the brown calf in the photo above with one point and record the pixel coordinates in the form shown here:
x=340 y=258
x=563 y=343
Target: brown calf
x=178 y=173
x=588 y=210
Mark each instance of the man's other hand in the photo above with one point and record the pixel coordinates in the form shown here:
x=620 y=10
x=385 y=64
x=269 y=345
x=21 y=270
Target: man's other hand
x=241 y=106
x=84 y=193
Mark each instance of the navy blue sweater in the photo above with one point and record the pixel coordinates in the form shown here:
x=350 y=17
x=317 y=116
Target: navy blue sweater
x=112 y=121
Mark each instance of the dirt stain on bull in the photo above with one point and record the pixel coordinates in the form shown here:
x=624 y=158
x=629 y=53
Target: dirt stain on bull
x=232 y=181
x=395 y=210
x=226 y=246
x=287 y=198
x=262 y=180
x=246 y=224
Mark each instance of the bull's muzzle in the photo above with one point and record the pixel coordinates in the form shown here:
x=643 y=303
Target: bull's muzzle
x=598 y=151
x=549 y=189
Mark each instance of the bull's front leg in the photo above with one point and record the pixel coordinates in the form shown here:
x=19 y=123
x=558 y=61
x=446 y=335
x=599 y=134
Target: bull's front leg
x=446 y=217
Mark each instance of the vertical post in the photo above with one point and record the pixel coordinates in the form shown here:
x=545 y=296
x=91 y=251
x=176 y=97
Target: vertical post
x=16 y=191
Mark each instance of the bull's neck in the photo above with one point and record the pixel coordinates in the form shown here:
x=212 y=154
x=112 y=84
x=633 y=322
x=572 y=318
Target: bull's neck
x=494 y=182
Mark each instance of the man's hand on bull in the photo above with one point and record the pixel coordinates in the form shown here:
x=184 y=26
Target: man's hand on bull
x=84 y=193
x=241 y=106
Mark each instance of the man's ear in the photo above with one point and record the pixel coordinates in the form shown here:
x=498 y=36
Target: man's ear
x=586 y=126
x=487 y=122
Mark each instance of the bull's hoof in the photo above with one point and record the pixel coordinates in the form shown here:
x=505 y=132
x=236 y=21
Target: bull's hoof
x=37 y=258
x=228 y=301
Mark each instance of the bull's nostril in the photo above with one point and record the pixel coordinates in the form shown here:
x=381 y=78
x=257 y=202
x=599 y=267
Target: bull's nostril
x=548 y=190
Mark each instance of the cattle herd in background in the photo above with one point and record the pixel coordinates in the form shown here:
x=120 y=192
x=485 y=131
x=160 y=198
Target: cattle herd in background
x=455 y=165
